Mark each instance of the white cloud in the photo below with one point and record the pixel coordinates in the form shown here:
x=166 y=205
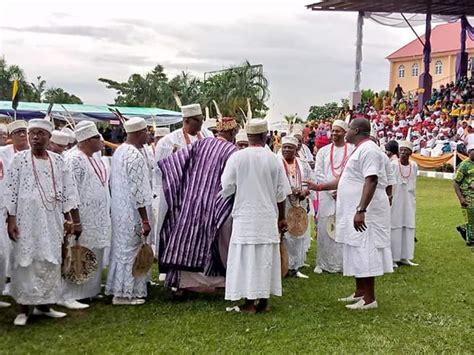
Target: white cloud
x=307 y=56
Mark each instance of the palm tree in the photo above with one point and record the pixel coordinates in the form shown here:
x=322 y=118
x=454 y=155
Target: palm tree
x=38 y=89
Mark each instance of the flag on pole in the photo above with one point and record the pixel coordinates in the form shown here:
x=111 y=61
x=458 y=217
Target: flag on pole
x=15 y=94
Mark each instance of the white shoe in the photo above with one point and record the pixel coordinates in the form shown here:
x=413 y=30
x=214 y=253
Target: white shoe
x=121 y=301
x=6 y=290
x=306 y=265
x=407 y=262
x=301 y=275
x=395 y=265
x=4 y=304
x=318 y=270
x=20 y=319
x=362 y=306
x=162 y=277
x=74 y=305
x=350 y=299
x=51 y=313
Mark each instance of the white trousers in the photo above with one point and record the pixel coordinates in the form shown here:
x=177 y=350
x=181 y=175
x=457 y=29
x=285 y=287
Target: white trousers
x=403 y=243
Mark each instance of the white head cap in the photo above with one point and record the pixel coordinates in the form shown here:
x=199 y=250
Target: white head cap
x=297 y=130
x=341 y=124
x=3 y=128
x=191 y=110
x=18 y=124
x=290 y=140
x=135 y=124
x=83 y=124
x=41 y=124
x=241 y=136
x=405 y=144
x=86 y=132
x=256 y=126
x=59 y=138
x=161 y=131
x=470 y=147
x=70 y=133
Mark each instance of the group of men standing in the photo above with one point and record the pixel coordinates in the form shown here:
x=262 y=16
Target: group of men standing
x=214 y=208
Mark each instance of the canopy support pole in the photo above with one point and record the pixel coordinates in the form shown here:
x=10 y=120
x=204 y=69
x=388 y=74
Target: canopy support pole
x=356 y=95
x=462 y=57
x=426 y=81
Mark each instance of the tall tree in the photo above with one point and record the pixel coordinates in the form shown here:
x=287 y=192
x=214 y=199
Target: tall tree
x=38 y=89
x=59 y=96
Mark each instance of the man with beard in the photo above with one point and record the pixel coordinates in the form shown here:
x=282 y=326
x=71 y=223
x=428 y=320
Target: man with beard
x=330 y=162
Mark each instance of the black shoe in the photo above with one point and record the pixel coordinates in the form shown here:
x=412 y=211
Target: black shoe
x=462 y=231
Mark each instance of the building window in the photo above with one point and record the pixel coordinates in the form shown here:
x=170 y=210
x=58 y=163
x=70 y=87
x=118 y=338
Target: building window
x=401 y=71
x=438 y=67
x=414 y=69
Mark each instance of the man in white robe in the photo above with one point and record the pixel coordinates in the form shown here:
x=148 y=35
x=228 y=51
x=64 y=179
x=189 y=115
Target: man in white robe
x=18 y=134
x=363 y=216
x=191 y=132
x=404 y=207
x=92 y=183
x=330 y=162
x=59 y=142
x=40 y=194
x=3 y=134
x=256 y=179
x=131 y=196
x=296 y=171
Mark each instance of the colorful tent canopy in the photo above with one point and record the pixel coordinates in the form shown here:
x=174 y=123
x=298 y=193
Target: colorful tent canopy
x=29 y=110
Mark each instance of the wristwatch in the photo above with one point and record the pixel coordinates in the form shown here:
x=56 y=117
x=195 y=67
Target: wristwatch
x=361 y=210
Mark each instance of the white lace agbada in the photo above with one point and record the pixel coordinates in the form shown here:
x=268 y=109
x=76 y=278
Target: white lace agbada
x=131 y=190
x=93 y=198
x=40 y=223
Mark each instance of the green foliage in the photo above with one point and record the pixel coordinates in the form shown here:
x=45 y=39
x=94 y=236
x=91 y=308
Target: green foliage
x=30 y=92
x=367 y=95
x=229 y=88
x=425 y=309
x=327 y=111
x=293 y=119
x=59 y=96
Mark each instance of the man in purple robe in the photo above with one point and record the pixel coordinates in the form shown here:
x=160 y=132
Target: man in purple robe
x=195 y=233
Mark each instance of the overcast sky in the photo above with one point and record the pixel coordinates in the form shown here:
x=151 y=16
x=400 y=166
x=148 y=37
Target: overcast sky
x=307 y=56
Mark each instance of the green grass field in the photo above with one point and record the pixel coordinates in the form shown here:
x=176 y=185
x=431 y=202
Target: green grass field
x=429 y=308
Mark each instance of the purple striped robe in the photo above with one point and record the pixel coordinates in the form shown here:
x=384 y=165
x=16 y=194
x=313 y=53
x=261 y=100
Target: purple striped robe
x=196 y=209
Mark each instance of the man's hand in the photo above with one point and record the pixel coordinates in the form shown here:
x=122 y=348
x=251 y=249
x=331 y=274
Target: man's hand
x=282 y=226
x=359 y=222
x=146 y=229
x=13 y=231
x=463 y=202
x=311 y=185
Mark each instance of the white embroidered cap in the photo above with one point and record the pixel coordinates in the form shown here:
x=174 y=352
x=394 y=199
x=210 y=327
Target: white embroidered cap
x=405 y=144
x=83 y=123
x=191 y=110
x=161 y=131
x=70 y=133
x=135 y=124
x=59 y=138
x=18 y=124
x=256 y=126
x=341 y=124
x=86 y=132
x=290 y=140
x=297 y=130
x=470 y=147
x=241 y=137
x=40 y=123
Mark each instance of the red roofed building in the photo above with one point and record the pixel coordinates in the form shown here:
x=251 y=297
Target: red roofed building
x=406 y=64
